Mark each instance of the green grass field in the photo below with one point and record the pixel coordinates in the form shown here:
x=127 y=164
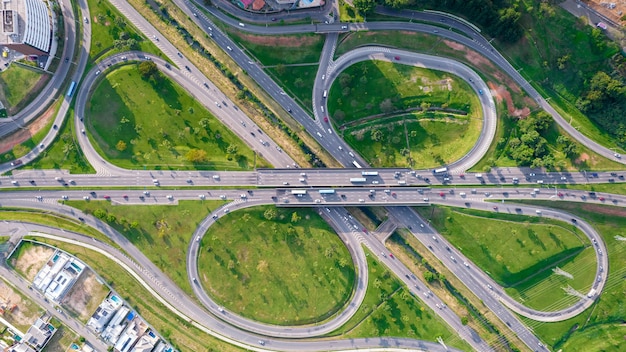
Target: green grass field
x=389 y=309
x=280 y=271
x=417 y=140
x=108 y=25
x=602 y=324
x=17 y=82
x=64 y=153
x=161 y=232
x=176 y=331
x=159 y=124
x=297 y=81
x=531 y=244
x=369 y=83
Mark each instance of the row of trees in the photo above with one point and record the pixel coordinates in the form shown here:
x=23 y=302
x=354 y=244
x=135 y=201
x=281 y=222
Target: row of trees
x=499 y=17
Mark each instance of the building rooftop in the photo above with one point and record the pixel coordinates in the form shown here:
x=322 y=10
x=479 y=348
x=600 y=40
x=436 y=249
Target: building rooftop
x=26 y=22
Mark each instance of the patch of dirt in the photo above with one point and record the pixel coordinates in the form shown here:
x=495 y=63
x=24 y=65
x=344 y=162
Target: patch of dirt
x=593 y=208
x=16 y=311
x=501 y=93
x=7 y=143
x=85 y=295
x=290 y=41
x=582 y=158
x=32 y=260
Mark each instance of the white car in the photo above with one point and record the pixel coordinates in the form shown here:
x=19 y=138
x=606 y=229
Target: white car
x=86 y=197
x=201 y=196
x=170 y=197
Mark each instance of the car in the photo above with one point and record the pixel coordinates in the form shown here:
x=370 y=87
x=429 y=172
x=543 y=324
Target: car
x=532 y=174
x=393 y=194
x=325 y=118
x=201 y=196
x=67 y=59
x=261 y=342
x=168 y=66
x=383 y=254
x=41 y=145
x=86 y=197
x=32 y=182
x=218 y=104
x=274 y=19
x=495 y=207
x=466 y=264
x=617 y=156
x=441 y=194
x=142 y=197
x=560 y=195
x=480 y=91
x=125 y=196
x=601 y=199
x=107 y=197
x=85 y=19
x=65 y=197
x=397 y=58
x=489 y=287
x=124 y=58
x=344 y=27
x=81 y=219
x=189 y=181
x=195 y=14
x=39 y=198
x=453 y=259
x=97 y=72
x=229 y=48
x=187 y=67
x=170 y=197
x=390 y=255
x=147 y=193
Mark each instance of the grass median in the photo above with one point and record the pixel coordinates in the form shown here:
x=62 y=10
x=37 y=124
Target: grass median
x=276 y=265
x=602 y=324
x=521 y=253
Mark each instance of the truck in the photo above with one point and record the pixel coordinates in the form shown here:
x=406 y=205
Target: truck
x=591 y=293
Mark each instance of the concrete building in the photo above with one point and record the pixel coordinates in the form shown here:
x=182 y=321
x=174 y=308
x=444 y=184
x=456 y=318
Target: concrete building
x=104 y=313
x=58 y=275
x=39 y=334
x=135 y=329
x=146 y=342
x=26 y=26
x=115 y=327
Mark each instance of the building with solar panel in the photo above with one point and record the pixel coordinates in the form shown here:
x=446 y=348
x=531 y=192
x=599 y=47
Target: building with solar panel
x=26 y=26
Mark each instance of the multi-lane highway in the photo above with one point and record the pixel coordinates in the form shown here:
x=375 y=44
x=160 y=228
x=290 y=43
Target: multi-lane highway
x=192 y=80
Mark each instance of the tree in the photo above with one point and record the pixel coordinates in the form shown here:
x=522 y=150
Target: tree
x=148 y=69
x=429 y=277
x=196 y=156
x=270 y=214
x=377 y=135
x=119 y=21
x=121 y=146
x=386 y=106
x=232 y=149
x=365 y=7
x=295 y=217
x=204 y=123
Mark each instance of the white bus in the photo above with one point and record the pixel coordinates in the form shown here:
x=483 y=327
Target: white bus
x=369 y=173
x=356 y=164
x=357 y=179
x=298 y=191
x=440 y=171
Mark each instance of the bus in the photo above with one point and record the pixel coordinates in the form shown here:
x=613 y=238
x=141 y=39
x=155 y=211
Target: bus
x=357 y=179
x=327 y=191
x=70 y=91
x=369 y=173
x=356 y=164
x=440 y=171
x=298 y=191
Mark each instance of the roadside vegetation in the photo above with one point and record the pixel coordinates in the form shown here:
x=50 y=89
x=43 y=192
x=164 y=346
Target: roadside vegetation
x=162 y=127
x=458 y=298
x=18 y=309
x=282 y=266
x=64 y=153
x=112 y=33
x=601 y=325
x=19 y=84
x=292 y=59
x=161 y=232
x=398 y=115
x=389 y=309
x=524 y=260
x=180 y=333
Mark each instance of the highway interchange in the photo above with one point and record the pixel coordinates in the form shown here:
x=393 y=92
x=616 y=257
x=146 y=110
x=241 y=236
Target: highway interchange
x=348 y=229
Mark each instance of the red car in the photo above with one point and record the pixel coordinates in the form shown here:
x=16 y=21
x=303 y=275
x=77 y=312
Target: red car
x=393 y=194
x=107 y=197
x=601 y=199
x=560 y=195
x=441 y=194
x=325 y=118
x=391 y=255
x=125 y=196
x=397 y=58
x=495 y=208
x=462 y=175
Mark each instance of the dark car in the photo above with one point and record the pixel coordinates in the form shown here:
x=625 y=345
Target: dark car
x=67 y=59
x=187 y=67
x=397 y=58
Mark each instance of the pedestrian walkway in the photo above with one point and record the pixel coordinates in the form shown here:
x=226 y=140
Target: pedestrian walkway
x=384 y=230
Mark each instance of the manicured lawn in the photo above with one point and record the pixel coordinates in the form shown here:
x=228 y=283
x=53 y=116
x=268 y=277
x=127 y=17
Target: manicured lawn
x=161 y=232
x=272 y=50
x=178 y=332
x=297 y=81
x=64 y=153
x=280 y=271
x=510 y=248
x=417 y=140
x=17 y=82
x=361 y=89
x=108 y=25
x=601 y=325
x=159 y=124
x=390 y=310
